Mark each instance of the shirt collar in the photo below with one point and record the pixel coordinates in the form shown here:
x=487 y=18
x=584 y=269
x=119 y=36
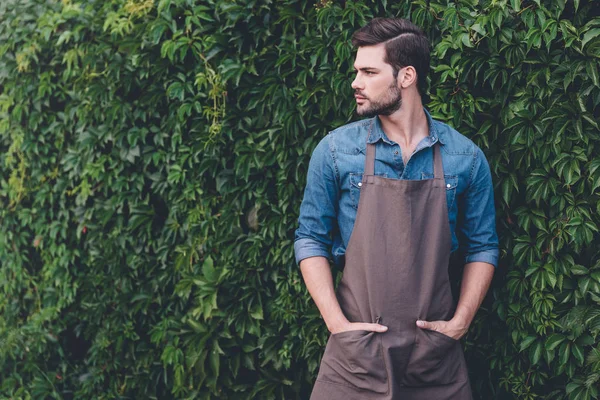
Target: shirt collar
x=377 y=132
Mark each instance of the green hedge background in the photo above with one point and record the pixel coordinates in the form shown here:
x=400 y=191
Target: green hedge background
x=153 y=156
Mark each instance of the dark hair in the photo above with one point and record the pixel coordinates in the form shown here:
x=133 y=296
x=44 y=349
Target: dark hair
x=405 y=44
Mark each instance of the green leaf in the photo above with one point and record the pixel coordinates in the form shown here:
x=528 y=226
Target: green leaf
x=579 y=269
x=589 y=35
x=592 y=71
x=554 y=340
x=527 y=342
x=578 y=353
x=256 y=311
x=584 y=283
x=215 y=361
x=535 y=352
x=208 y=270
x=564 y=353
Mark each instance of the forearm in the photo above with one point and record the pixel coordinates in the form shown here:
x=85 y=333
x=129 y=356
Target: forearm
x=319 y=281
x=476 y=280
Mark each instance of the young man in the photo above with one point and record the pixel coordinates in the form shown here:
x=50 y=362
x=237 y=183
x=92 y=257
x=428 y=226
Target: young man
x=390 y=198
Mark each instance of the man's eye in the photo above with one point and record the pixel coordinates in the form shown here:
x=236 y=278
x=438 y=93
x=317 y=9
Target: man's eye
x=365 y=72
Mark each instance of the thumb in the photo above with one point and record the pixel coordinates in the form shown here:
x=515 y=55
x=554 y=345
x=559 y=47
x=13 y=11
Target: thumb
x=372 y=327
x=426 y=325
x=379 y=328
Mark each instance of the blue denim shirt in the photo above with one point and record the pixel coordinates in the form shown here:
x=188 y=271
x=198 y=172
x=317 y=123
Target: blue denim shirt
x=332 y=193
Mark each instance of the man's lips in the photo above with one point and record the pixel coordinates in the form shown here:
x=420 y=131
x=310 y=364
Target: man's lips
x=359 y=97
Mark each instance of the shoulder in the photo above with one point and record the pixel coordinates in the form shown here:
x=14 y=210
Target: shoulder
x=454 y=142
x=350 y=138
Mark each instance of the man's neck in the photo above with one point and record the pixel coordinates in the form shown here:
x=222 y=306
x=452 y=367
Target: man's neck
x=407 y=126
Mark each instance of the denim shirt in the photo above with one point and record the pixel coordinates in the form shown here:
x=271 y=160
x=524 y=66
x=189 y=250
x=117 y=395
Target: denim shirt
x=332 y=192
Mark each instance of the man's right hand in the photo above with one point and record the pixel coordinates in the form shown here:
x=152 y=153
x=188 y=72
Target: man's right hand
x=359 y=326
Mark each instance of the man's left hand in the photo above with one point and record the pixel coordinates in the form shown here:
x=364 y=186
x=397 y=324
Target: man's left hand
x=452 y=328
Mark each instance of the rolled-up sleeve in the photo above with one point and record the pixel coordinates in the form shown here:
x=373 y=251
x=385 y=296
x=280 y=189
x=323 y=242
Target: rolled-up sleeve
x=319 y=208
x=479 y=240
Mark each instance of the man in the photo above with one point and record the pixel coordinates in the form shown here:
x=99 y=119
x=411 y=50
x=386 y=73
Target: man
x=390 y=198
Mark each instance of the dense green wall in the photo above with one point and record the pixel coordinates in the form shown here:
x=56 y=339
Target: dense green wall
x=153 y=157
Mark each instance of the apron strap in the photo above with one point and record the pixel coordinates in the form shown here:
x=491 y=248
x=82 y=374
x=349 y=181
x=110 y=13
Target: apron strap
x=370 y=160
x=438 y=168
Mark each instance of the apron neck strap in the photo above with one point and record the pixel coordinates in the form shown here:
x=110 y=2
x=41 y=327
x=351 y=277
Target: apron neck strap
x=438 y=168
x=370 y=160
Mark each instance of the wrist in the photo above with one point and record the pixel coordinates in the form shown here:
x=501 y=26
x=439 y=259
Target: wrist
x=337 y=325
x=460 y=322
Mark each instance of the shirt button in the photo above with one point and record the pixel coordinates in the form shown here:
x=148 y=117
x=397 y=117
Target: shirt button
x=448 y=186
x=396 y=152
x=359 y=184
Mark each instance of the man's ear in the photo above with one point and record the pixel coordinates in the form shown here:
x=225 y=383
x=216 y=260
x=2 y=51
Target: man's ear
x=407 y=76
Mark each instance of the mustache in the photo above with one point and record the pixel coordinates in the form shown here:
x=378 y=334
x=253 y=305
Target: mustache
x=359 y=94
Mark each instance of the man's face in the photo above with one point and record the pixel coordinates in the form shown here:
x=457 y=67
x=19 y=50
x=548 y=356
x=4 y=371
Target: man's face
x=375 y=88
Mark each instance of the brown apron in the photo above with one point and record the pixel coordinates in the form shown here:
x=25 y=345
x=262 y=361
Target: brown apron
x=396 y=272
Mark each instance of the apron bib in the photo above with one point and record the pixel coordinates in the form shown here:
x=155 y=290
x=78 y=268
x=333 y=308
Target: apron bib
x=396 y=272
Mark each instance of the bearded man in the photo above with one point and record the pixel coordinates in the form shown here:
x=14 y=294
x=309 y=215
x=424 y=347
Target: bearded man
x=389 y=199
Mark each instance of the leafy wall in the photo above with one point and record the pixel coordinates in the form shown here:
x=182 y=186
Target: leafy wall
x=153 y=157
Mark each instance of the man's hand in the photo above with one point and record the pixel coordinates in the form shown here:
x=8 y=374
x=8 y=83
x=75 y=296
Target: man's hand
x=452 y=328
x=475 y=283
x=359 y=326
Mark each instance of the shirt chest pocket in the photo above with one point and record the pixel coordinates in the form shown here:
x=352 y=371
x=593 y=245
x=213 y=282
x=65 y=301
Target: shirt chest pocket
x=451 y=184
x=355 y=185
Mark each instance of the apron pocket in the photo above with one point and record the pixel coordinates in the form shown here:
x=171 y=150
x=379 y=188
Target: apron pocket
x=355 y=359
x=435 y=360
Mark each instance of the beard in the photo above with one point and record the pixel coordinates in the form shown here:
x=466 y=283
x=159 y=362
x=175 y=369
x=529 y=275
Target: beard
x=385 y=105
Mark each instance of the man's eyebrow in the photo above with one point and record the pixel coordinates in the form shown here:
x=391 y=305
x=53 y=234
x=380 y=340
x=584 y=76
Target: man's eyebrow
x=366 y=69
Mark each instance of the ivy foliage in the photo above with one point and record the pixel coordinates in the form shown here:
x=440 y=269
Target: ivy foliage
x=153 y=156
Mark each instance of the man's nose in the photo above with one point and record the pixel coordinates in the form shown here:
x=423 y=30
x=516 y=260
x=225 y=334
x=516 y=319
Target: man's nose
x=356 y=83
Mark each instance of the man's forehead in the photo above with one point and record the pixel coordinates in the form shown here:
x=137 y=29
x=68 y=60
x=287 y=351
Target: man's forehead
x=370 y=57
